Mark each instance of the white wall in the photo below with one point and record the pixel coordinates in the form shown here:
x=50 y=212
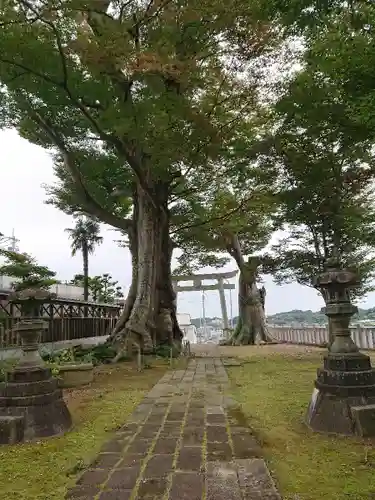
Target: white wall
x=63 y=291
x=6 y=282
x=183 y=319
x=310 y=335
x=190 y=333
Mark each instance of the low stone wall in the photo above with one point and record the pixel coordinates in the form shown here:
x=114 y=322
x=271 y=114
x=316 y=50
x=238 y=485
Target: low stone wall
x=10 y=353
x=310 y=335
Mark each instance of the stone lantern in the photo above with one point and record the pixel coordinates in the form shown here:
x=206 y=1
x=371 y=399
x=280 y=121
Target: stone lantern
x=343 y=401
x=31 y=403
x=30 y=330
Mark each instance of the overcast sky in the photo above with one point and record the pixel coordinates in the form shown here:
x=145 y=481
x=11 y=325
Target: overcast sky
x=40 y=230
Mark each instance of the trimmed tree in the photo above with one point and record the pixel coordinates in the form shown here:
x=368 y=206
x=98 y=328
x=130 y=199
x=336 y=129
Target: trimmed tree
x=26 y=271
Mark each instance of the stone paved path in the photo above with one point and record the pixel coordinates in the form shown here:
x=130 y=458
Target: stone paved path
x=183 y=442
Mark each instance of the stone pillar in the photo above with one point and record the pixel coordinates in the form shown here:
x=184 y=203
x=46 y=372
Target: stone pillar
x=343 y=401
x=223 y=304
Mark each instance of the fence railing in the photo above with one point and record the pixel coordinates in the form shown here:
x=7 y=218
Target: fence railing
x=58 y=329
x=65 y=321
x=364 y=337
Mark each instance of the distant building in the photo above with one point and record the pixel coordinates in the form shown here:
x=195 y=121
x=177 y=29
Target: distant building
x=63 y=291
x=189 y=330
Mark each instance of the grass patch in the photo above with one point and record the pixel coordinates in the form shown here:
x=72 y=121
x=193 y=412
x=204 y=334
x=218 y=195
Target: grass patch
x=43 y=470
x=274 y=389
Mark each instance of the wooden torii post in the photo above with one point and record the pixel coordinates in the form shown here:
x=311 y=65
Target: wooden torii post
x=198 y=286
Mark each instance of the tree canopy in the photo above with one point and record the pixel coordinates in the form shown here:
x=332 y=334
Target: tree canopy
x=103 y=289
x=26 y=271
x=322 y=148
x=129 y=90
x=167 y=122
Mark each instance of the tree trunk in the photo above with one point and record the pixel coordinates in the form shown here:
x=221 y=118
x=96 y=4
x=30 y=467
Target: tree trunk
x=117 y=333
x=245 y=334
x=258 y=314
x=85 y=256
x=168 y=330
x=149 y=315
x=252 y=324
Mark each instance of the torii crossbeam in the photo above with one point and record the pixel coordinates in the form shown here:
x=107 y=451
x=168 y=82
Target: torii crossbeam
x=198 y=286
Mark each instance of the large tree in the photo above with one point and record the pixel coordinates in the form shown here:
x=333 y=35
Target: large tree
x=85 y=236
x=241 y=236
x=148 y=92
x=323 y=146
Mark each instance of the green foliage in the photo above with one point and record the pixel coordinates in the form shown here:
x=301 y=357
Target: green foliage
x=98 y=354
x=280 y=383
x=6 y=365
x=102 y=288
x=309 y=317
x=298 y=317
x=324 y=153
x=132 y=92
x=25 y=270
x=3 y=372
x=105 y=289
x=240 y=211
x=164 y=351
x=85 y=236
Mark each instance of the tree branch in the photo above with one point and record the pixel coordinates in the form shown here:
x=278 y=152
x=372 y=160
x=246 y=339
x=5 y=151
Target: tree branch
x=213 y=219
x=92 y=206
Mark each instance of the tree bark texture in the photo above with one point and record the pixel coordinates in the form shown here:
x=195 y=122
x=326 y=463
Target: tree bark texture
x=252 y=320
x=149 y=315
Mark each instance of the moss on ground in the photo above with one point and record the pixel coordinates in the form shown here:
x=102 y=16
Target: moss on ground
x=43 y=470
x=274 y=389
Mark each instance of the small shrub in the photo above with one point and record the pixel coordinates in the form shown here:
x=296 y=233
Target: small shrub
x=104 y=353
x=3 y=375
x=5 y=366
x=54 y=369
x=164 y=351
x=79 y=354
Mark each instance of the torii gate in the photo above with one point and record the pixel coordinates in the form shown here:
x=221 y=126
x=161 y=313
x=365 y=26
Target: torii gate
x=197 y=286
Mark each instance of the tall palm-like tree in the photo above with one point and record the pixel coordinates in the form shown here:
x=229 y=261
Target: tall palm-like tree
x=85 y=236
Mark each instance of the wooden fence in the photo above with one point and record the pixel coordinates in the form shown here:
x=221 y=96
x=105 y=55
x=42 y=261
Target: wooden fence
x=364 y=337
x=66 y=320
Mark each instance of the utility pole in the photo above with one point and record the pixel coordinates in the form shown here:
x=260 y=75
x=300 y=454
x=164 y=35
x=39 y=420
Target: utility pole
x=204 y=314
x=9 y=240
x=230 y=306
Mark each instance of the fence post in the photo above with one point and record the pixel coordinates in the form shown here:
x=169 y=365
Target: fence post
x=371 y=338
x=366 y=338
x=356 y=337
x=139 y=359
x=171 y=358
x=304 y=336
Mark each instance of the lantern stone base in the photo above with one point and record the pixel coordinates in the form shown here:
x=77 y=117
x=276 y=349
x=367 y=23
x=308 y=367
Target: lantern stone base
x=343 y=386
x=32 y=393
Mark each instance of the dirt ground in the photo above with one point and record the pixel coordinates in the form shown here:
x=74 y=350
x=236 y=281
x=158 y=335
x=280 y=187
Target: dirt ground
x=213 y=350
x=267 y=350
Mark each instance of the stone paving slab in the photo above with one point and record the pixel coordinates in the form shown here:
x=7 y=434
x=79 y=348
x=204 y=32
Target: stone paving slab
x=181 y=443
